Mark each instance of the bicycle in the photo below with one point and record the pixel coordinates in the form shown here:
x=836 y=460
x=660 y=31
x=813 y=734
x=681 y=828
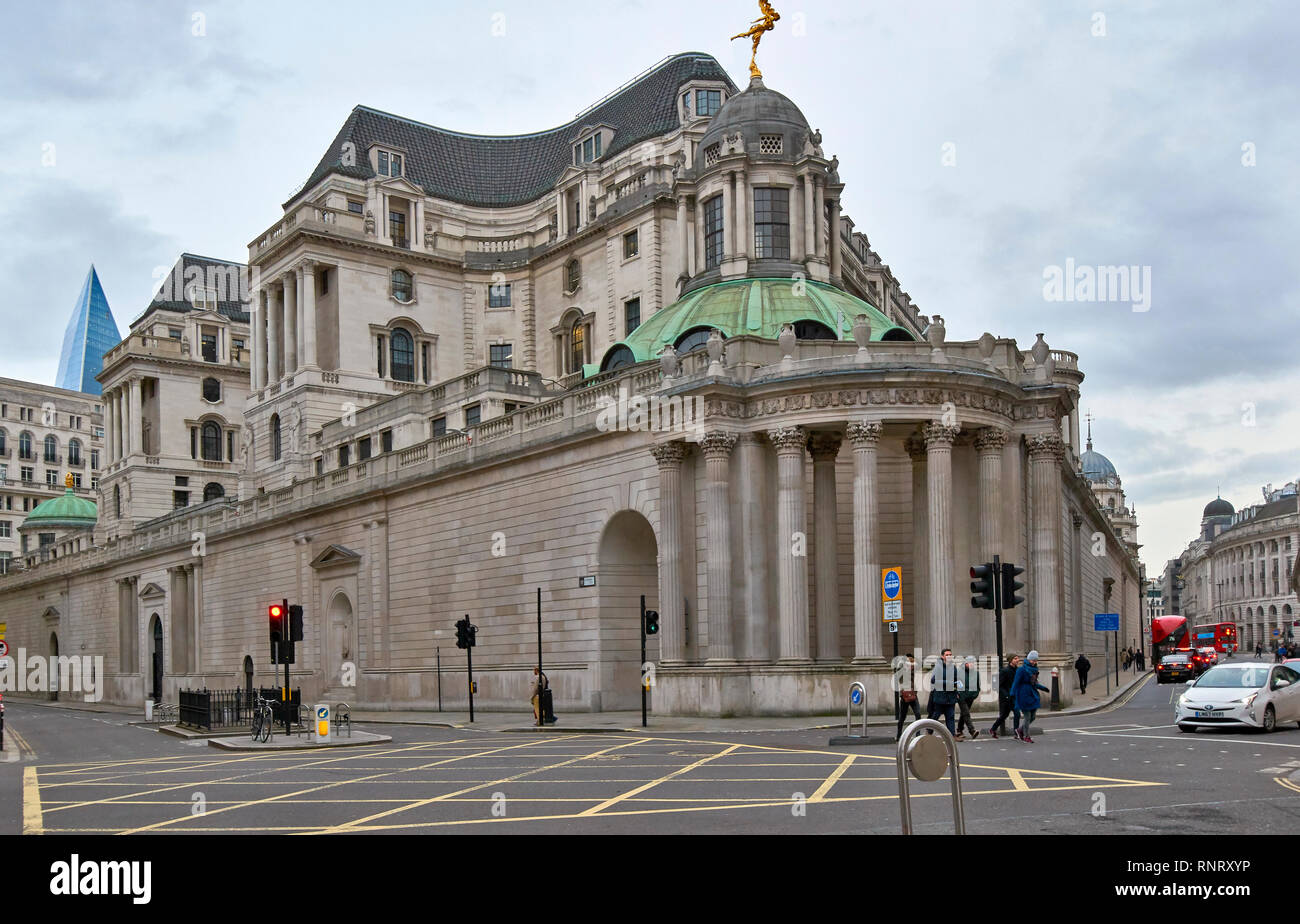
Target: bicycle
x=262 y=719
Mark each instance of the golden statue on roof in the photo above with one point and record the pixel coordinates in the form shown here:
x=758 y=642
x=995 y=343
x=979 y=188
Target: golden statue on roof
x=764 y=23
x=69 y=480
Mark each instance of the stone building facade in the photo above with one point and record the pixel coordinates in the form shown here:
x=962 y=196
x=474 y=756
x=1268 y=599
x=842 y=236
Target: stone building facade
x=643 y=354
x=46 y=434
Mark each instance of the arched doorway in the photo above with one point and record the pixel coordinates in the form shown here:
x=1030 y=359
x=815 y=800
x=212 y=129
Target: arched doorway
x=341 y=645
x=156 y=657
x=248 y=677
x=54 y=665
x=626 y=568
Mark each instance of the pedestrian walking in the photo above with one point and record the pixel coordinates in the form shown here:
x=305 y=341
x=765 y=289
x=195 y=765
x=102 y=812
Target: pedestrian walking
x=1259 y=651
x=1281 y=653
x=1025 y=689
x=1007 y=702
x=944 y=688
x=908 y=698
x=970 y=691
x=1083 y=665
x=1142 y=660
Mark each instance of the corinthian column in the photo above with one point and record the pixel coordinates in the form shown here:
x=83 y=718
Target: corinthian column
x=866 y=552
x=920 y=603
x=938 y=470
x=291 y=308
x=273 y=319
x=791 y=542
x=1045 y=452
x=825 y=447
x=672 y=646
x=682 y=236
x=988 y=445
x=309 y=314
x=756 y=528
x=716 y=448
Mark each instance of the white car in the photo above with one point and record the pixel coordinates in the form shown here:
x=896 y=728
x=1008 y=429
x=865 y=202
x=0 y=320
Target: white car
x=1253 y=694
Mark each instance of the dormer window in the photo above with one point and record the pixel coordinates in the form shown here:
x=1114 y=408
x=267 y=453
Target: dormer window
x=203 y=299
x=587 y=150
x=707 y=102
x=389 y=163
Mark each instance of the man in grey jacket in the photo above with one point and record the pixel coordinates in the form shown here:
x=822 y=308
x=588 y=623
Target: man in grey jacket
x=945 y=684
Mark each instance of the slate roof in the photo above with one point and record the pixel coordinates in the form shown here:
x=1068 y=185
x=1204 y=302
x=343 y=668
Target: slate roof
x=230 y=279
x=507 y=170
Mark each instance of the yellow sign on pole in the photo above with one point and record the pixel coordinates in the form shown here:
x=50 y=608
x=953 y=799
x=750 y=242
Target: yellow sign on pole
x=4 y=626
x=891 y=594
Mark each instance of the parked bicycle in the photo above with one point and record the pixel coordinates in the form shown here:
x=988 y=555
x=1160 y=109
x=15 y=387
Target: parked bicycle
x=263 y=719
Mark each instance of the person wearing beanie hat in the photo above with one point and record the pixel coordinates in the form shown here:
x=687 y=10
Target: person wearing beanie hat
x=1024 y=690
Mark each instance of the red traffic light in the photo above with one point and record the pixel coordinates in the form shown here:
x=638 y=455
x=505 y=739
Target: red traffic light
x=277 y=611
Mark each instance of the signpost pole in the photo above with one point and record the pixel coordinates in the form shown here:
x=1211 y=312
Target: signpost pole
x=997 y=604
x=1107 y=640
x=641 y=670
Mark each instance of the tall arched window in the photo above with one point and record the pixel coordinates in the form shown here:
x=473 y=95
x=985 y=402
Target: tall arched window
x=401 y=285
x=275 y=436
x=212 y=490
x=577 y=346
x=117 y=501
x=74 y=452
x=211 y=442
x=25 y=445
x=403 y=348
x=51 y=449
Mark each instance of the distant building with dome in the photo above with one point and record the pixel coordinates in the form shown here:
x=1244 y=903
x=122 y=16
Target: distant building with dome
x=1108 y=488
x=418 y=428
x=1239 y=568
x=58 y=527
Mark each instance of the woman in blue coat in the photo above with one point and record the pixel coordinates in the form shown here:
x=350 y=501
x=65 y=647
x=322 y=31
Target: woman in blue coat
x=1024 y=692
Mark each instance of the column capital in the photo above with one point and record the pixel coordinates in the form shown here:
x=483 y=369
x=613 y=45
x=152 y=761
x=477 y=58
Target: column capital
x=915 y=446
x=307 y=264
x=939 y=436
x=990 y=439
x=865 y=433
x=1043 y=445
x=669 y=454
x=717 y=444
x=825 y=445
x=788 y=439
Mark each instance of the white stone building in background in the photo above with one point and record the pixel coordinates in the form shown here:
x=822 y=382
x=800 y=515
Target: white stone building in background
x=174 y=392
x=1238 y=569
x=473 y=361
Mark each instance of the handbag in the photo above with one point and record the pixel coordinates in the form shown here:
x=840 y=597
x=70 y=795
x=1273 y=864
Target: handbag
x=908 y=696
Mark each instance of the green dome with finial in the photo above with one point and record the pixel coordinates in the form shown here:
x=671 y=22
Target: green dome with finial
x=66 y=512
x=753 y=307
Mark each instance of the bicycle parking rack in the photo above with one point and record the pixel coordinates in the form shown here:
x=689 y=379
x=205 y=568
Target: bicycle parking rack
x=343 y=716
x=848 y=738
x=926 y=756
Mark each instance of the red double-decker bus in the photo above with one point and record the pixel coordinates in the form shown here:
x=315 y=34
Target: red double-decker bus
x=1221 y=636
x=1168 y=634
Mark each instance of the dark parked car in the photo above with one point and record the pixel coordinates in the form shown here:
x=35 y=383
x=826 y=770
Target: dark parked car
x=1175 y=668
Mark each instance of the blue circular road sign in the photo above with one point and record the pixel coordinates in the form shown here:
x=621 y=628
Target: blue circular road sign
x=892 y=584
x=856 y=696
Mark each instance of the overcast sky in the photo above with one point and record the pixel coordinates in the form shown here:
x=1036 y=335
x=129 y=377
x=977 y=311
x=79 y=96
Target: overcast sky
x=981 y=144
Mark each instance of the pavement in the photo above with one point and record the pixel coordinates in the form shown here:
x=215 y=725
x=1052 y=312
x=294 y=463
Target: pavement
x=1098 y=697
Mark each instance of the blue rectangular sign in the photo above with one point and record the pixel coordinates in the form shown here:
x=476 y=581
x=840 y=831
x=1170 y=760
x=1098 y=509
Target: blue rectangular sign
x=1105 y=622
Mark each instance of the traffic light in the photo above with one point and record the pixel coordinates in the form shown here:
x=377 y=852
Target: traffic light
x=462 y=633
x=651 y=622
x=981 y=587
x=275 y=616
x=1010 y=585
x=473 y=634
x=295 y=623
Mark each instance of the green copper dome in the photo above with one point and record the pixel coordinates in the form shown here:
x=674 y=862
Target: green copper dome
x=68 y=511
x=754 y=307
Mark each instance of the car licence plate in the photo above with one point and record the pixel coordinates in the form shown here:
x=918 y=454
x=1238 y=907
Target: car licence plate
x=1217 y=714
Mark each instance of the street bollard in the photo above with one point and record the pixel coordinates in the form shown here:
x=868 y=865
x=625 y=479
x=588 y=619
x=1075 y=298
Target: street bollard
x=926 y=750
x=1056 y=689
